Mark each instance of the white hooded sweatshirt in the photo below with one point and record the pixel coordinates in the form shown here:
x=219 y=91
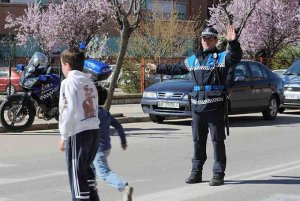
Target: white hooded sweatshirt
x=78 y=104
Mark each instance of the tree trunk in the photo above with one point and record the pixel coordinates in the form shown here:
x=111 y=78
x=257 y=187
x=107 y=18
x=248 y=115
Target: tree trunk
x=125 y=34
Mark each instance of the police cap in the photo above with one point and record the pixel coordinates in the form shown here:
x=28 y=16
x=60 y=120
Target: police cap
x=209 y=32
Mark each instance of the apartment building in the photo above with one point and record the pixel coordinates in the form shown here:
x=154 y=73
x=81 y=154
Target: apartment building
x=186 y=9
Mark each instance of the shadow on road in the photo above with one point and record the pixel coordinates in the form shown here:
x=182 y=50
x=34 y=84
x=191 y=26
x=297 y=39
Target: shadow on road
x=143 y=131
x=277 y=180
x=38 y=133
x=251 y=120
x=114 y=132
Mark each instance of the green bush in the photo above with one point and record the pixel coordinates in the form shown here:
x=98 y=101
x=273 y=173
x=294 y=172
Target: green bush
x=130 y=78
x=285 y=57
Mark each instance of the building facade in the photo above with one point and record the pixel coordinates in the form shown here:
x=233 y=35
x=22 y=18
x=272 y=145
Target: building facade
x=185 y=8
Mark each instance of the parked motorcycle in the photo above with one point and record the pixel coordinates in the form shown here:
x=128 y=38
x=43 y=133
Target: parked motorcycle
x=41 y=92
x=40 y=98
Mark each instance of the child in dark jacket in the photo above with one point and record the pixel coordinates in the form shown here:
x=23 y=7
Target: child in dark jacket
x=100 y=161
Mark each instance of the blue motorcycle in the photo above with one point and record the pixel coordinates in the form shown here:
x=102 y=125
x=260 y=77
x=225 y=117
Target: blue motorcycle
x=40 y=97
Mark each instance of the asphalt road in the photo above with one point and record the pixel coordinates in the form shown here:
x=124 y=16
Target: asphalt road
x=263 y=163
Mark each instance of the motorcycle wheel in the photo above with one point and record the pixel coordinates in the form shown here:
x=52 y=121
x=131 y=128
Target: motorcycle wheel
x=10 y=120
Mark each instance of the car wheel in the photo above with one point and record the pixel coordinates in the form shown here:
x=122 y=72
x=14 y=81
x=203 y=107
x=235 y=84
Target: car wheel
x=272 y=110
x=281 y=110
x=12 y=89
x=156 y=118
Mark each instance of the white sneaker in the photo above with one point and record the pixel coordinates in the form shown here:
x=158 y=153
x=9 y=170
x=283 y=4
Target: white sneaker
x=127 y=193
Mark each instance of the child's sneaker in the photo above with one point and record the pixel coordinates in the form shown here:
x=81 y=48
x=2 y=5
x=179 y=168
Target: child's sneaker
x=127 y=193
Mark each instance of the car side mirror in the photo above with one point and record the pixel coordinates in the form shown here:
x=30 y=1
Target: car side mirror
x=240 y=78
x=20 y=67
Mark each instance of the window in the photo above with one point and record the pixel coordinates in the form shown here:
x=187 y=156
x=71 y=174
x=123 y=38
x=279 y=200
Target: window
x=4 y=1
x=256 y=72
x=264 y=71
x=241 y=70
x=167 y=7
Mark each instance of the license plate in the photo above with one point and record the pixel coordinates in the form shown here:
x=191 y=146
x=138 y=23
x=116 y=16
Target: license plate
x=292 y=96
x=168 y=104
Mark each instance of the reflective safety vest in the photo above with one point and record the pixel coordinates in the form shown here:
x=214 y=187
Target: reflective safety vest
x=214 y=60
x=194 y=64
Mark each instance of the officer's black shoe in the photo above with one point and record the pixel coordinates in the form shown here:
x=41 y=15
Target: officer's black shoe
x=217 y=180
x=194 y=178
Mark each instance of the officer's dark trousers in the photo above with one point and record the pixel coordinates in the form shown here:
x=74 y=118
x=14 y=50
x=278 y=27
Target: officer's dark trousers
x=80 y=152
x=203 y=122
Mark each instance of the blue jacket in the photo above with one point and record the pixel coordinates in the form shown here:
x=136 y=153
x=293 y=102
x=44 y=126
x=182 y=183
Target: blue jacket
x=211 y=71
x=107 y=120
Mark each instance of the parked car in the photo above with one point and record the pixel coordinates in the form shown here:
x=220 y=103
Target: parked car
x=256 y=89
x=291 y=79
x=14 y=79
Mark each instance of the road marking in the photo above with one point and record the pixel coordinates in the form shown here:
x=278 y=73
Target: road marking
x=18 y=180
x=283 y=197
x=198 y=190
x=3 y=165
x=265 y=169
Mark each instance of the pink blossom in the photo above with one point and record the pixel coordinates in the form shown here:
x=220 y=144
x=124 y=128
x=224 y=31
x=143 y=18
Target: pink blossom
x=60 y=25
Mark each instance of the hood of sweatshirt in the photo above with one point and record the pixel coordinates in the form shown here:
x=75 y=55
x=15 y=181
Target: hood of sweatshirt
x=80 y=77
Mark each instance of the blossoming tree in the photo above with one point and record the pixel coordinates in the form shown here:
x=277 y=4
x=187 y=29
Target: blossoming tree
x=261 y=24
x=58 y=25
x=273 y=26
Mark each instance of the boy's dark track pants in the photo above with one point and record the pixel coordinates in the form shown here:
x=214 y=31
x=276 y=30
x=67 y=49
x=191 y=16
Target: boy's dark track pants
x=80 y=153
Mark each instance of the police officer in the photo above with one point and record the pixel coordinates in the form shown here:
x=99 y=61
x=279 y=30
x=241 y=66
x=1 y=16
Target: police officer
x=209 y=68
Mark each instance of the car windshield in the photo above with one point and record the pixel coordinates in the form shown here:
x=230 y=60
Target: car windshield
x=182 y=77
x=294 y=69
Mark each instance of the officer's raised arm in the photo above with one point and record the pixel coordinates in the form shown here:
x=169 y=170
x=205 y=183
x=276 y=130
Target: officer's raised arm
x=235 y=53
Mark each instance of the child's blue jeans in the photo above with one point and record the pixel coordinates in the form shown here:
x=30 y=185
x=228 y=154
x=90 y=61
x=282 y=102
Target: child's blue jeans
x=103 y=171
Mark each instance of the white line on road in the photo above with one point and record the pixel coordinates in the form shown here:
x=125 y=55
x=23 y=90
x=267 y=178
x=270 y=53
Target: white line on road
x=52 y=174
x=2 y=165
x=265 y=170
x=199 y=190
x=283 y=197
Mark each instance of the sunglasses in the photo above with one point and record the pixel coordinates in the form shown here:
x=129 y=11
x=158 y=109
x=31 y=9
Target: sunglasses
x=208 y=37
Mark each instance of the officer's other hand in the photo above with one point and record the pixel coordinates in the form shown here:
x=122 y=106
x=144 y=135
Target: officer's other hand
x=231 y=35
x=151 y=68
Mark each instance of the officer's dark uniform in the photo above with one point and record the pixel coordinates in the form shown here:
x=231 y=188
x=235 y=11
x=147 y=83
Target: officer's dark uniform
x=209 y=70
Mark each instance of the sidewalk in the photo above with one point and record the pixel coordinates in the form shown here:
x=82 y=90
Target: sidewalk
x=119 y=97
x=125 y=113
x=125 y=107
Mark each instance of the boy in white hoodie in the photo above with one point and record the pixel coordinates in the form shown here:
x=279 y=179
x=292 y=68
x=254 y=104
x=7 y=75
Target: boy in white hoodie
x=78 y=125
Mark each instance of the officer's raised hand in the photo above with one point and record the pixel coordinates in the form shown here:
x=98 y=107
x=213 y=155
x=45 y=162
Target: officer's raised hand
x=151 y=68
x=231 y=35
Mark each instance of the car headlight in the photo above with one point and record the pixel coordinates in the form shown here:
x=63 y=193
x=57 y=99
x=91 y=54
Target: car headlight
x=185 y=97
x=149 y=95
x=286 y=88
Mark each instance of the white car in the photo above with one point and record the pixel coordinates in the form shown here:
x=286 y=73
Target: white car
x=291 y=79
x=280 y=72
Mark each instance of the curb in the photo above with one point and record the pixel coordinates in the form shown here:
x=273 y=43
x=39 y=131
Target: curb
x=46 y=126
x=116 y=100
